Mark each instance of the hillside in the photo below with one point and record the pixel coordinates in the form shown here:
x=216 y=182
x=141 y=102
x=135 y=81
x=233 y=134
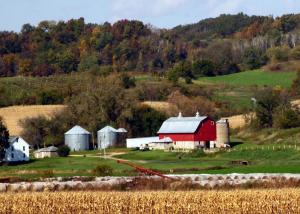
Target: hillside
x=13 y=114
x=215 y=46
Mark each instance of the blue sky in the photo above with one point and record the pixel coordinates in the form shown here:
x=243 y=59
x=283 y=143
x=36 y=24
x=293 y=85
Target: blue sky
x=160 y=13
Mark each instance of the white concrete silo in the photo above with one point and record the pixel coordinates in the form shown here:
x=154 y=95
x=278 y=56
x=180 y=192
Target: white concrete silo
x=223 y=134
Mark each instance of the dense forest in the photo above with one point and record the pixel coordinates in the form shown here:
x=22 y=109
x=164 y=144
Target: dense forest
x=215 y=46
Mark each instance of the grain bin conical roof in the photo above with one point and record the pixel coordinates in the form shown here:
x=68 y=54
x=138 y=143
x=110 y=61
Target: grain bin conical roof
x=108 y=129
x=77 y=130
x=122 y=130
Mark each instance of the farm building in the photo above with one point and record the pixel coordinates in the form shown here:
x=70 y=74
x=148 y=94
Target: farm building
x=121 y=137
x=17 y=151
x=46 y=152
x=189 y=132
x=137 y=142
x=153 y=143
x=106 y=137
x=77 y=139
x=111 y=137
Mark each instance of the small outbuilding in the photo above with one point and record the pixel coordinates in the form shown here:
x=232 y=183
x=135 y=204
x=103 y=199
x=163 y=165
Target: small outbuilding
x=17 y=151
x=77 y=139
x=48 y=152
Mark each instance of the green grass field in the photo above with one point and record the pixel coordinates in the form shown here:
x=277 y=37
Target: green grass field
x=267 y=158
x=253 y=78
x=237 y=89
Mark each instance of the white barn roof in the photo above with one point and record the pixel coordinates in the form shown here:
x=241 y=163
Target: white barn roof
x=181 y=125
x=108 y=129
x=77 y=130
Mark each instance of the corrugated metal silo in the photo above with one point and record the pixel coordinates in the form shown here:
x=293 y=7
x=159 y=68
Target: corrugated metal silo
x=107 y=137
x=77 y=138
x=122 y=135
x=223 y=137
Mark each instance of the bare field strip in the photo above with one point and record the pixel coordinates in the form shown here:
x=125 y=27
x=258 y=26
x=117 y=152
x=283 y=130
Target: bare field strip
x=13 y=114
x=205 y=201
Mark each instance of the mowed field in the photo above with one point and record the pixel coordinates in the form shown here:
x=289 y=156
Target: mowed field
x=205 y=201
x=236 y=90
x=252 y=78
x=13 y=114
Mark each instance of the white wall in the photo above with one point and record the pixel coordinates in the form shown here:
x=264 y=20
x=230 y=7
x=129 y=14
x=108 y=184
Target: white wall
x=18 y=151
x=186 y=144
x=137 y=142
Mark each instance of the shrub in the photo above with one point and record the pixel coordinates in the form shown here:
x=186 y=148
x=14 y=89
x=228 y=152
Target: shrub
x=286 y=117
x=103 y=170
x=278 y=54
x=63 y=151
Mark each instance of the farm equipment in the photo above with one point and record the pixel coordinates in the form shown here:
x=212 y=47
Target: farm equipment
x=143 y=170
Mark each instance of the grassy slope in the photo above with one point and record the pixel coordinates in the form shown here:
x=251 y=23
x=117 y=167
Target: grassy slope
x=237 y=89
x=252 y=78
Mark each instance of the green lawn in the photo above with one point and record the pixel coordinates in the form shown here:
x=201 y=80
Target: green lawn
x=252 y=78
x=262 y=158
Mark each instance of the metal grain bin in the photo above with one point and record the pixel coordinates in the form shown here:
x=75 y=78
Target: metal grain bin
x=107 y=137
x=122 y=135
x=223 y=137
x=77 y=139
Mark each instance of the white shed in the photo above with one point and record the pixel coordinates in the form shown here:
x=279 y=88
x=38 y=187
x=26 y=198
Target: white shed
x=17 y=151
x=137 y=142
x=46 y=152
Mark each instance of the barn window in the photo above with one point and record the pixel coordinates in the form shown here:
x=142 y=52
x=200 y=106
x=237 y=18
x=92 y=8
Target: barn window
x=12 y=155
x=23 y=155
x=212 y=123
x=12 y=148
x=23 y=148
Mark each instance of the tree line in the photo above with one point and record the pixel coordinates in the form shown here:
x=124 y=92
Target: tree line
x=222 y=45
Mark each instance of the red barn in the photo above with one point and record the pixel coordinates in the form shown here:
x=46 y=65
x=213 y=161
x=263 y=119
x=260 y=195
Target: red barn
x=189 y=132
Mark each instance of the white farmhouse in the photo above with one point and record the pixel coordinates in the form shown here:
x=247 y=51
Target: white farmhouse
x=18 y=150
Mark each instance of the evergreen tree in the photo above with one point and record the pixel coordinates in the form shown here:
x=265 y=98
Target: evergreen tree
x=4 y=135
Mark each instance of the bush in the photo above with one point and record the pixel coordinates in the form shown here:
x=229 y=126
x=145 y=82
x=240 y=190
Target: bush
x=103 y=170
x=50 y=97
x=63 y=151
x=278 y=54
x=203 y=68
x=286 y=117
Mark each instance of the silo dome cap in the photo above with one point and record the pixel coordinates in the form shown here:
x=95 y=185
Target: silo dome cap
x=77 y=130
x=121 y=130
x=108 y=129
x=223 y=120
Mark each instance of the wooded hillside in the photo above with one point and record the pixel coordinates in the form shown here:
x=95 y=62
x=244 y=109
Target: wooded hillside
x=222 y=45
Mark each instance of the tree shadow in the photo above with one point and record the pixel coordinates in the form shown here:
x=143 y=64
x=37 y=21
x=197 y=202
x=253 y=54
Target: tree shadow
x=17 y=163
x=235 y=143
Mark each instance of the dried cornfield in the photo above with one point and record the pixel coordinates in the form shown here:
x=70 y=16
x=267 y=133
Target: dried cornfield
x=231 y=201
x=13 y=114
